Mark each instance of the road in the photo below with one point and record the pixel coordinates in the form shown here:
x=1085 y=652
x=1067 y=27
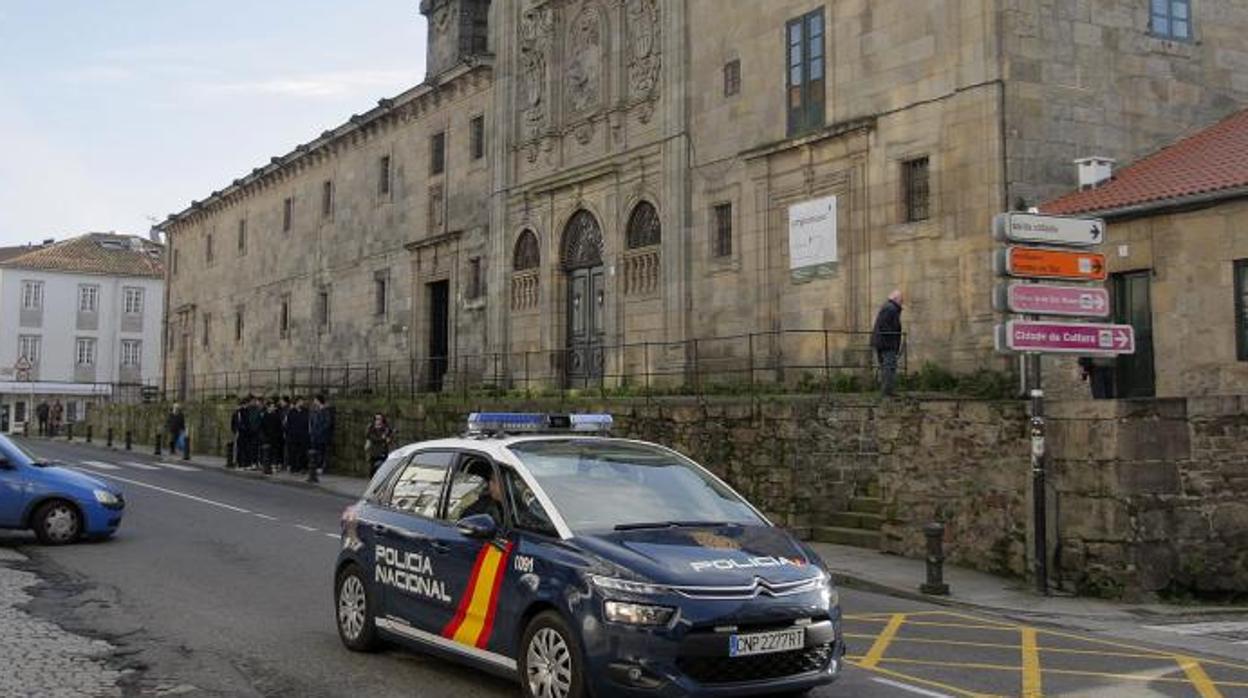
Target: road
x=220 y=585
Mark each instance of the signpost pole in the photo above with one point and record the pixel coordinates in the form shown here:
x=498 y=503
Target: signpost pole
x=1039 y=462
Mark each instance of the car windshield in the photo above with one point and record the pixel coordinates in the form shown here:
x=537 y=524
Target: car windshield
x=599 y=484
x=10 y=446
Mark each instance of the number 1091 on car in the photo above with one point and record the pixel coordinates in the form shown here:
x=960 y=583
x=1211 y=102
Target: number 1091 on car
x=766 y=643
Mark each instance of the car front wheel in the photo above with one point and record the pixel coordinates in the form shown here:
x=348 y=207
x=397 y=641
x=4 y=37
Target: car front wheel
x=354 y=611
x=550 y=659
x=57 y=523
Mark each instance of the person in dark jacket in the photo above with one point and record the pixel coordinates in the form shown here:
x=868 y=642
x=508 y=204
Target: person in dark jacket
x=283 y=455
x=238 y=427
x=320 y=436
x=270 y=437
x=297 y=436
x=41 y=413
x=175 y=424
x=886 y=341
x=378 y=441
x=254 y=419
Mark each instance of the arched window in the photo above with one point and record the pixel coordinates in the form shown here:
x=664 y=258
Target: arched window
x=582 y=242
x=643 y=229
x=527 y=254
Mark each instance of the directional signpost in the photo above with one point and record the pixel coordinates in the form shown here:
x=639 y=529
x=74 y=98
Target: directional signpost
x=1042 y=248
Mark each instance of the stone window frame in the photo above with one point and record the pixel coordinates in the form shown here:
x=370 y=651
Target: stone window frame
x=1240 y=272
x=327 y=199
x=385 y=177
x=209 y=251
x=132 y=353
x=324 y=309
x=731 y=196
x=1167 y=17
x=381 y=294
x=916 y=194
x=30 y=347
x=475 y=288
x=526 y=254
x=32 y=294
x=437 y=153
x=242 y=236
x=84 y=351
x=476 y=137
x=283 y=316
x=174 y=262
x=732 y=78
x=239 y=320
x=205 y=337
x=288 y=213
x=811 y=111
x=900 y=230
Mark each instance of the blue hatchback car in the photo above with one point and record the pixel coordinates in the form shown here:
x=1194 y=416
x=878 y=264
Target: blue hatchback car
x=58 y=504
x=583 y=565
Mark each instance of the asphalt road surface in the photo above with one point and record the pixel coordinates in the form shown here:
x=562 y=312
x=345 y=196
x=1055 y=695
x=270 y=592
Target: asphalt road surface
x=220 y=585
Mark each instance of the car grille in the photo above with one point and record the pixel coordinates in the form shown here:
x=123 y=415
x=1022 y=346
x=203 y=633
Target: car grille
x=760 y=667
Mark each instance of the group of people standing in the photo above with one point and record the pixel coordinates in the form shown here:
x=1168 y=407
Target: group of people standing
x=283 y=434
x=50 y=417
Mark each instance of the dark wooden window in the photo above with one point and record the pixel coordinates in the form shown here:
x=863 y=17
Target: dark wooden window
x=383 y=176
x=1171 y=19
x=805 y=77
x=916 y=189
x=475 y=285
x=722 y=242
x=1241 y=309
x=477 y=140
x=644 y=229
x=437 y=153
x=327 y=199
x=527 y=254
x=732 y=78
x=288 y=213
x=242 y=237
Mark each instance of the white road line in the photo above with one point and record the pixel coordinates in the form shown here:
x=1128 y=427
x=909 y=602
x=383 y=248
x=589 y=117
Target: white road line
x=266 y=517
x=911 y=689
x=335 y=536
x=178 y=467
x=175 y=493
x=309 y=529
x=140 y=466
x=101 y=466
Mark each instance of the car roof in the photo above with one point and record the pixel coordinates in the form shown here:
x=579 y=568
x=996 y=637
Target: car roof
x=497 y=447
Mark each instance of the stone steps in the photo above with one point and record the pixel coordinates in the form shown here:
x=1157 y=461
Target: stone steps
x=857 y=537
x=852 y=519
x=866 y=505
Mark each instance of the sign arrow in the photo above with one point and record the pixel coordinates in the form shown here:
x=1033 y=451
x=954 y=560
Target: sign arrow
x=1121 y=339
x=1096 y=233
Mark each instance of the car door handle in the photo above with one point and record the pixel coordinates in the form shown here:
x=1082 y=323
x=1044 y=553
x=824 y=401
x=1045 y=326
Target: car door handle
x=380 y=529
x=439 y=547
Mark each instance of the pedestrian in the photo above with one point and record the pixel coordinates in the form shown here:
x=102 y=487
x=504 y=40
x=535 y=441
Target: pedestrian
x=1098 y=371
x=175 y=425
x=238 y=427
x=378 y=441
x=297 y=435
x=283 y=454
x=886 y=341
x=254 y=419
x=58 y=413
x=271 y=437
x=41 y=413
x=320 y=436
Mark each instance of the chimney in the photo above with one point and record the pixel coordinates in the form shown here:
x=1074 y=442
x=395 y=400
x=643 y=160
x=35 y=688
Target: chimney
x=1094 y=171
x=49 y=241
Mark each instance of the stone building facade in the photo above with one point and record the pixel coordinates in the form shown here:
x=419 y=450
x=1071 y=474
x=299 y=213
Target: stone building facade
x=649 y=163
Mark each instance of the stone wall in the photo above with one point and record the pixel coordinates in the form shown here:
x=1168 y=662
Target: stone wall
x=1146 y=496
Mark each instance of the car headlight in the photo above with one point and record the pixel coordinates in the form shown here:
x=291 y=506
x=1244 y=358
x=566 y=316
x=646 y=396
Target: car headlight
x=627 y=586
x=828 y=589
x=106 y=498
x=637 y=613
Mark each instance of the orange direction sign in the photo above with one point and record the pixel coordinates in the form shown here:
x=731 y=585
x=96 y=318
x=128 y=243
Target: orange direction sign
x=1041 y=263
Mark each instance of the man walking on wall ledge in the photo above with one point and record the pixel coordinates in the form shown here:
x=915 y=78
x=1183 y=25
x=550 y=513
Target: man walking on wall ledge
x=886 y=340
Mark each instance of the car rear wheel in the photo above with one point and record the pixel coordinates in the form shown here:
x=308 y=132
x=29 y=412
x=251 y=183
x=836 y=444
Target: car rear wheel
x=550 y=659
x=355 y=611
x=57 y=523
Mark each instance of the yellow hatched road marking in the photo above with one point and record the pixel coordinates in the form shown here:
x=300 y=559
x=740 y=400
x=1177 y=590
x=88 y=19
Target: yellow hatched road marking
x=933 y=684
x=881 y=643
x=1031 y=664
x=1003 y=646
x=1064 y=672
x=1200 y=680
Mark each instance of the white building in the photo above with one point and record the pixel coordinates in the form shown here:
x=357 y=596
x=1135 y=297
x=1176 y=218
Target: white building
x=80 y=321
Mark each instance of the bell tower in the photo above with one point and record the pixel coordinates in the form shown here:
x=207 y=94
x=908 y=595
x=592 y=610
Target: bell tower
x=459 y=30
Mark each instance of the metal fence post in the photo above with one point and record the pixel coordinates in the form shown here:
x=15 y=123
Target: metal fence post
x=110 y=437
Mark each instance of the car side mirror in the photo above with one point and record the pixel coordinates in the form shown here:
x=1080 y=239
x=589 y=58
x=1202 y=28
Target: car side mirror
x=477 y=526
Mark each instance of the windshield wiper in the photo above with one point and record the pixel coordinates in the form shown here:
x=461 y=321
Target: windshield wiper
x=670 y=524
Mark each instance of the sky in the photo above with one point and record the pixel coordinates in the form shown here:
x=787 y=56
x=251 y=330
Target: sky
x=116 y=113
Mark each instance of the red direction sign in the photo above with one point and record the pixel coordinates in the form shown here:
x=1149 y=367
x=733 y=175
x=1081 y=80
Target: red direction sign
x=1065 y=337
x=1043 y=299
x=1040 y=263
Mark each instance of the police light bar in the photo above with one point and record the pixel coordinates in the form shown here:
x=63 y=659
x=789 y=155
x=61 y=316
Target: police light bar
x=536 y=423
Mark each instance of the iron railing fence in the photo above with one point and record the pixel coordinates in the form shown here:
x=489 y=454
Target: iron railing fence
x=776 y=361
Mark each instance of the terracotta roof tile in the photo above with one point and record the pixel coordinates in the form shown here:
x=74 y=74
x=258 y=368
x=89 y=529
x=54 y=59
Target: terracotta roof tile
x=1212 y=160
x=95 y=253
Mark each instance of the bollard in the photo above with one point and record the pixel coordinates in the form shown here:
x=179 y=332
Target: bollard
x=156 y=448
x=229 y=454
x=69 y=431
x=186 y=447
x=129 y=440
x=109 y=436
x=935 y=584
x=90 y=432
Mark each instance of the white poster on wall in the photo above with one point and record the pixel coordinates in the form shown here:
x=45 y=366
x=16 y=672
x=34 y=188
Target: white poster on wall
x=812 y=233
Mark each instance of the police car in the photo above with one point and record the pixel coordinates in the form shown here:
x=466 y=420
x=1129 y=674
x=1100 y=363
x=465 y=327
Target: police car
x=538 y=548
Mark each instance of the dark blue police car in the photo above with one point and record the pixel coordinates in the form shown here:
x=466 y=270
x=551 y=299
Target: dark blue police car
x=582 y=565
